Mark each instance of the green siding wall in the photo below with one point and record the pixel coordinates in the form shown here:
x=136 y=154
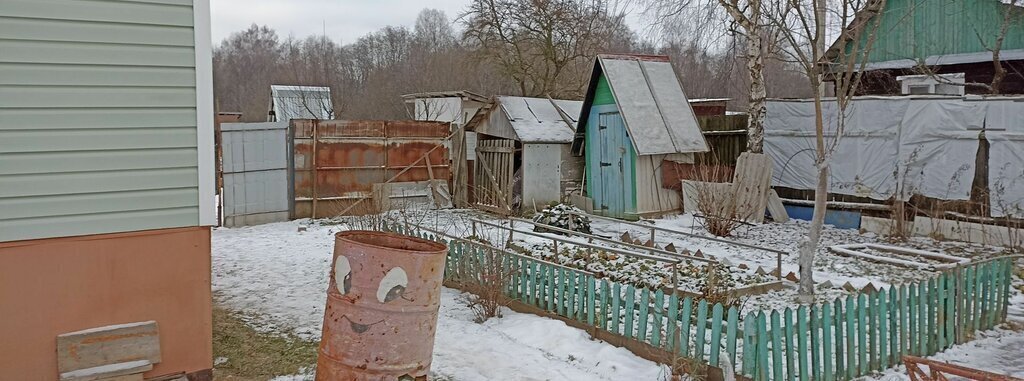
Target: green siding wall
x=917 y=29
x=603 y=92
x=97 y=117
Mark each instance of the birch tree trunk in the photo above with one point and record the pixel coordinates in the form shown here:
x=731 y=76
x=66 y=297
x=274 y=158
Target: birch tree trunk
x=756 y=111
x=809 y=245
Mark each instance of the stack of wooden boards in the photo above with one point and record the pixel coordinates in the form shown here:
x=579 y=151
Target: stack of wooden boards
x=113 y=353
x=746 y=197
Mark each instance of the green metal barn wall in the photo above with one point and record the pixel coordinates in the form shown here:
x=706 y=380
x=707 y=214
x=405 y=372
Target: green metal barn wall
x=97 y=117
x=912 y=29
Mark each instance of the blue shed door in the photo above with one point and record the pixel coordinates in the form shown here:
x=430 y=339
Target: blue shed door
x=615 y=164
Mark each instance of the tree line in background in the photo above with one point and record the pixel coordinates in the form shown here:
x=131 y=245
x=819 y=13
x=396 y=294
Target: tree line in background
x=509 y=47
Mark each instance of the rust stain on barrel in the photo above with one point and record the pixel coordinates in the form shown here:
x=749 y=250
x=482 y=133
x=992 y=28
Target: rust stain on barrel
x=382 y=303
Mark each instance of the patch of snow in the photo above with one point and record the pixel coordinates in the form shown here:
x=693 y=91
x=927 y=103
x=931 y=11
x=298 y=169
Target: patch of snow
x=281 y=275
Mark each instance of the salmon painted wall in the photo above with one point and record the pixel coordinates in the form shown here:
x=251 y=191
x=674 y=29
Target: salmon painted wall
x=59 y=285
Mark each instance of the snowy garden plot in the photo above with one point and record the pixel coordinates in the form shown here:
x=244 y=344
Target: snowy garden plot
x=859 y=322
x=277 y=276
x=899 y=256
x=831 y=270
x=641 y=267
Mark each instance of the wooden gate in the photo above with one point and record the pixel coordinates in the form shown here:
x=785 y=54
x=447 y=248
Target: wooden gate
x=493 y=183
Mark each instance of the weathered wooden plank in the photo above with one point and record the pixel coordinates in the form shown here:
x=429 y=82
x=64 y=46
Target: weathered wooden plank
x=643 y=314
x=872 y=326
x=775 y=207
x=659 y=318
x=815 y=344
x=826 y=342
x=702 y=324
x=940 y=312
x=838 y=324
x=591 y=300
x=762 y=347
x=752 y=181
x=730 y=336
x=862 y=341
x=534 y=290
x=749 y=337
x=801 y=342
x=630 y=308
x=685 y=331
x=922 y=318
x=791 y=361
x=884 y=339
x=969 y=299
x=602 y=321
x=673 y=323
x=108 y=345
x=931 y=307
x=716 y=334
x=777 y=361
x=912 y=321
x=550 y=288
x=851 y=338
x=616 y=308
x=1008 y=266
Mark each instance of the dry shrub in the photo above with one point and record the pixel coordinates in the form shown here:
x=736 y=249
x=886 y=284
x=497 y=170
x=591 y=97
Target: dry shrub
x=715 y=200
x=718 y=286
x=689 y=368
x=488 y=277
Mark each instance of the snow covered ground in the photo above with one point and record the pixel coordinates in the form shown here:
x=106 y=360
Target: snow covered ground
x=279 y=276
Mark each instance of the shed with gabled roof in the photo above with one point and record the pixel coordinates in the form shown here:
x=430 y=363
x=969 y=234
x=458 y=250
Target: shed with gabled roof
x=300 y=102
x=634 y=117
x=525 y=143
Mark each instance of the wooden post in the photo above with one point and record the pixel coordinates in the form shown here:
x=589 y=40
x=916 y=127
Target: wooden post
x=312 y=213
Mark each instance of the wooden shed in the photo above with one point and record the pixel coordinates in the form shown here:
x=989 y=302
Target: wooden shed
x=523 y=155
x=634 y=117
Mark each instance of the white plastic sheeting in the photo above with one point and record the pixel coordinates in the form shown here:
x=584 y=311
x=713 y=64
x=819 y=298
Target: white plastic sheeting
x=1005 y=133
x=902 y=146
x=938 y=148
x=864 y=162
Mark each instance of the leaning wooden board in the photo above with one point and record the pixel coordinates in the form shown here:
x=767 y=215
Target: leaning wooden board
x=751 y=184
x=108 y=345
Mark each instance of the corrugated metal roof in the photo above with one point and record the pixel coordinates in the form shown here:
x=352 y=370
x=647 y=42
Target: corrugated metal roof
x=652 y=103
x=300 y=102
x=537 y=120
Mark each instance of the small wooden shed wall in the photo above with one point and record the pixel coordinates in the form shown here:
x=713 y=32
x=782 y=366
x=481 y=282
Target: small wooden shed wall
x=634 y=118
x=544 y=168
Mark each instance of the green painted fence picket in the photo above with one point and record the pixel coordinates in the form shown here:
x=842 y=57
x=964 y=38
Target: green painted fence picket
x=837 y=340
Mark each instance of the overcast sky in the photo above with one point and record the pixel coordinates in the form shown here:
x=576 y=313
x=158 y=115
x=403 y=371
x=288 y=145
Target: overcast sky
x=343 y=19
x=346 y=20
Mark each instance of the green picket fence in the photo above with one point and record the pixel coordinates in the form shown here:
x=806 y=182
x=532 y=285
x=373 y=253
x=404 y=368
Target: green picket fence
x=838 y=340
x=855 y=336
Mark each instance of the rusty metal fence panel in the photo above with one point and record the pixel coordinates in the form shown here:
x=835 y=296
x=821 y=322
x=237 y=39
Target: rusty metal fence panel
x=347 y=157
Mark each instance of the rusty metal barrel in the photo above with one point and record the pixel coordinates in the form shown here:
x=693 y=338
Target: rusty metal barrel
x=382 y=303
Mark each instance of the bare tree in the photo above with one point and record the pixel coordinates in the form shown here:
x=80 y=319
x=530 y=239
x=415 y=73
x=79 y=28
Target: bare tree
x=244 y=67
x=545 y=46
x=803 y=26
x=749 y=20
